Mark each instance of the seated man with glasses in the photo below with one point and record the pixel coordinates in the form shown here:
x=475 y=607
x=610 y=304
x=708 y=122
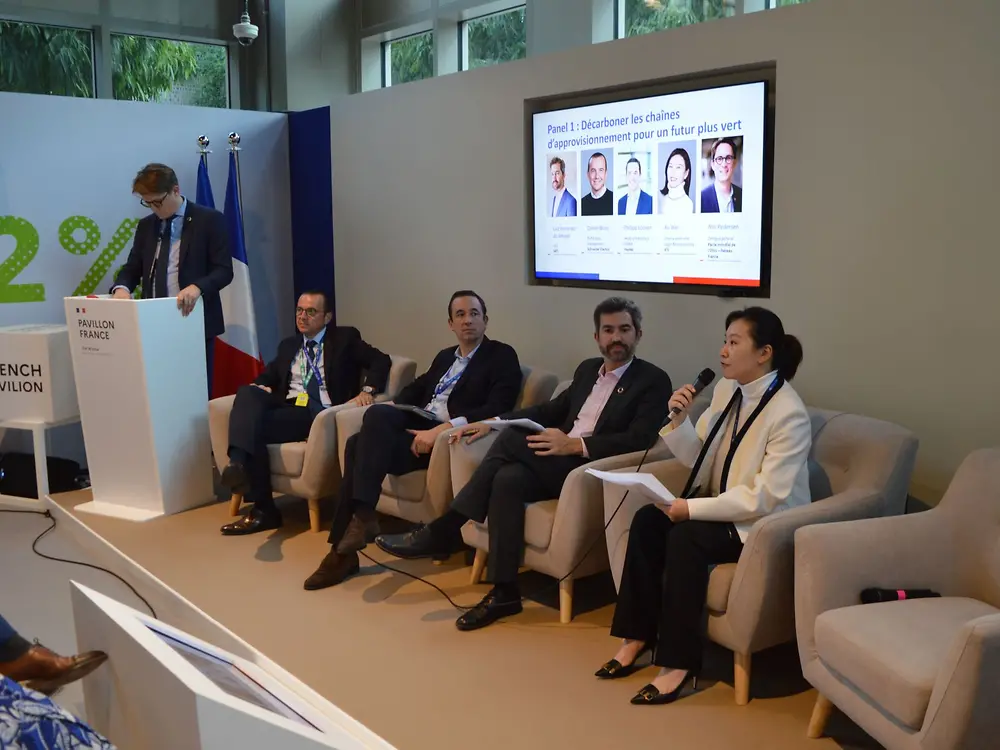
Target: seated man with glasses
x=722 y=196
x=181 y=250
x=319 y=368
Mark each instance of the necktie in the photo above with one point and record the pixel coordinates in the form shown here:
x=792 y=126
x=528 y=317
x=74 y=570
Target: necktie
x=312 y=387
x=160 y=283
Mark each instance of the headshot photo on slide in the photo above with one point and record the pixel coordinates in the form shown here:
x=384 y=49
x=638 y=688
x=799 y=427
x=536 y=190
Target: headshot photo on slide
x=631 y=183
x=562 y=176
x=676 y=175
x=722 y=175
x=597 y=183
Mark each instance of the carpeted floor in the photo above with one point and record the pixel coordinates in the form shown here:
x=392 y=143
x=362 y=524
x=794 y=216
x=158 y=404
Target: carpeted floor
x=384 y=648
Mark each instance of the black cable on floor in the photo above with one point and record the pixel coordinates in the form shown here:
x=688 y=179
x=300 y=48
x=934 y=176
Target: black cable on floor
x=34 y=548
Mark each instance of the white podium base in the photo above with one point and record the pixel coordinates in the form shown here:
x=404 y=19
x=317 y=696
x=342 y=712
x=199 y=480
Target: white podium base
x=118 y=511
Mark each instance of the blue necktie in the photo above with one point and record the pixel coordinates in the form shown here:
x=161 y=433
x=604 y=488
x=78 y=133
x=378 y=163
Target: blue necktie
x=160 y=282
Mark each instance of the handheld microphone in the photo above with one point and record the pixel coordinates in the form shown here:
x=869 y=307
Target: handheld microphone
x=871 y=596
x=704 y=379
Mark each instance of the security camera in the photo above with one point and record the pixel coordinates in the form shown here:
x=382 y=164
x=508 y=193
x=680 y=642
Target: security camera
x=244 y=31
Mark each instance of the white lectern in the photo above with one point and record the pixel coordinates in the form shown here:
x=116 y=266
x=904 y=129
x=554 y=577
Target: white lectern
x=143 y=395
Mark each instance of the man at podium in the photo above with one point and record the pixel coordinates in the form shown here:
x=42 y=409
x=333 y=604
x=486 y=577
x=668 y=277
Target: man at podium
x=181 y=250
x=321 y=367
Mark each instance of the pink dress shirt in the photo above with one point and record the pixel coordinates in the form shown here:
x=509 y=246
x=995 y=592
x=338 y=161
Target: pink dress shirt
x=591 y=410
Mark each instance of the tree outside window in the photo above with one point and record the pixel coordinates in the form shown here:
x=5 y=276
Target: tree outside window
x=36 y=59
x=645 y=16
x=410 y=58
x=494 y=39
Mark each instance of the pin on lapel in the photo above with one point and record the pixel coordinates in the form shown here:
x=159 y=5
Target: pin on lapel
x=621 y=389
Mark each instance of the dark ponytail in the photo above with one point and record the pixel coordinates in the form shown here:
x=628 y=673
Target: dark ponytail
x=767 y=330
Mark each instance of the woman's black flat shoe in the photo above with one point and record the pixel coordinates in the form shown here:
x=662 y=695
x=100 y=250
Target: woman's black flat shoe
x=614 y=669
x=650 y=696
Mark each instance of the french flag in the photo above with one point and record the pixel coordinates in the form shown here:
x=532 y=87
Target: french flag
x=237 y=355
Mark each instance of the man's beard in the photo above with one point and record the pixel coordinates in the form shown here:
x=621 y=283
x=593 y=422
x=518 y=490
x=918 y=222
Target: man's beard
x=616 y=354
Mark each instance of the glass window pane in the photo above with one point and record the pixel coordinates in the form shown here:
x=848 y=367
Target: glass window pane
x=36 y=59
x=412 y=58
x=495 y=39
x=644 y=16
x=148 y=69
x=783 y=3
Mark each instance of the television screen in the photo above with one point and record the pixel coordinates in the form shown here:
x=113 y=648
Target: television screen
x=671 y=192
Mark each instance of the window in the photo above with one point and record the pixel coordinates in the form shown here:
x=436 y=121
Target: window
x=643 y=16
x=36 y=59
x=409 y=59
x=149 y=69
x=783 y=3
x=493 y=39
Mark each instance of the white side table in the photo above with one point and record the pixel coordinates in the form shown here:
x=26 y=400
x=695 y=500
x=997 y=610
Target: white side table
x=37 y=429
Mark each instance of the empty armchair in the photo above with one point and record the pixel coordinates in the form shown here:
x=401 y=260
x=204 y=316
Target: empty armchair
x=308 y=469
x=859 y=467
x=919 y=674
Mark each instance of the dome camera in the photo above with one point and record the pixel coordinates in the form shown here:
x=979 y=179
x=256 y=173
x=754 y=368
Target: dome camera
x=244 y=31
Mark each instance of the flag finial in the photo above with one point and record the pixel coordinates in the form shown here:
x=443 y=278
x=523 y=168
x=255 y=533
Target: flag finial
x=203 y=144
x=234 y=141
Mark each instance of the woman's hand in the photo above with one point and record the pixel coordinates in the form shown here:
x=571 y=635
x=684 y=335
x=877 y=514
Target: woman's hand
x=682 y=399
x=471 y=433
x=677 y=511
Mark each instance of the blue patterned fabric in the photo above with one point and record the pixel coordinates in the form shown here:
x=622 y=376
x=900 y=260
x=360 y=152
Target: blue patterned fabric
x=31 y=721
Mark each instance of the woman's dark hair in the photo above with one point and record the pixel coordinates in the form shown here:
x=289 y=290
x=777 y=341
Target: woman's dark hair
x=687 y=165
x=766 y=330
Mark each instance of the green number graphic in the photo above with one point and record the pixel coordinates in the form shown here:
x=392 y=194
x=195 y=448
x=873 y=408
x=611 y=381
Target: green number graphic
x=111 y=251
x=25 y=250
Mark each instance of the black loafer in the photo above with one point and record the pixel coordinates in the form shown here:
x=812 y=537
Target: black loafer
x=487 y=612
x=252 y=523
x=417 y=544
x=234 y=478
x=614 y=669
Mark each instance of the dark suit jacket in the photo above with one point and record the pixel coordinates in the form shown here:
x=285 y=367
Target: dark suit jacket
x=489 y=386
x=643 y=206
x=345 y=356
x=205 y=260
x=710 y=201
x=631 y=418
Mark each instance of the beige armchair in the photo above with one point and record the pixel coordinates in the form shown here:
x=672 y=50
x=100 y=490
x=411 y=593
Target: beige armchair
x=422 y=496
x=561 y=535
x=918 y=674
x=859 y=468
x=310 y=468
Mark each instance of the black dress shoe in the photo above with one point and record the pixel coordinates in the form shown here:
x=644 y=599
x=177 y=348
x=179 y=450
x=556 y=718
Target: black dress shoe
x=488 y=611
x=417 y=544
x=334 y=569
x=234 y=478
x=650 y=696
x=252 y=523
x=614 y=669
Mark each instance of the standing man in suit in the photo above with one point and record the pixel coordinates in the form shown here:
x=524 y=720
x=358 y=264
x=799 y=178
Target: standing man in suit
x=615 y=405
x=636 y=201
x=722 y=196
x=599 y=201
x=563 y=203
x=466 y=384
x=319 y=368
x=180 y=250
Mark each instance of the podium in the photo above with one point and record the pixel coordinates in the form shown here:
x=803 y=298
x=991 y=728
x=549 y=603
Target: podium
x=141 y=388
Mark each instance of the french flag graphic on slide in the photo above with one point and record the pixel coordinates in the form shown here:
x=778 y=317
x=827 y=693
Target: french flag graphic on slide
x=237 y=355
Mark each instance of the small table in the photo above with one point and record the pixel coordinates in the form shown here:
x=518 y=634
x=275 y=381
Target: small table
x=37 y=429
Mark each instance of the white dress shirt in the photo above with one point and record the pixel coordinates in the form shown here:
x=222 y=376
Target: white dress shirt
x=556 y=201
x=768 y=472
x=726 y=205
x=300 y=363
x=631 y=203
x=439 y=403
x=174 y=259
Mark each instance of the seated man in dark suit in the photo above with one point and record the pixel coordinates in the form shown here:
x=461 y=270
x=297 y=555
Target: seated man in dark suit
x=322 y=367
x=480 y=378
x=615 y=405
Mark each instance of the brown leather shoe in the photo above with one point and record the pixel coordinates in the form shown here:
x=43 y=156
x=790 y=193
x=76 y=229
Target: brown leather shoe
x=334 y=569
x=361 y=531
x=46 y=671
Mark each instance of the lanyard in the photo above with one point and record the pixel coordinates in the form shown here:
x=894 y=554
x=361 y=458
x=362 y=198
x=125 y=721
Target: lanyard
x=442 y=385
x=313 y=368
x=737 y=437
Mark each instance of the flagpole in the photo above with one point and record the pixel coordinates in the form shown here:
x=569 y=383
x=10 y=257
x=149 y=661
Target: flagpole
x=234 y=146
x=203 y=151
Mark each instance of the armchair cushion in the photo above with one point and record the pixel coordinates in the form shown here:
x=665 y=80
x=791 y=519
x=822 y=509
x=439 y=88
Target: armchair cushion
x=892 y=652
x=720 y=580
x=287 y=458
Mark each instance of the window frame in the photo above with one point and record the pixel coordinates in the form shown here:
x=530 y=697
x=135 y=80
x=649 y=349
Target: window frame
x=385 y=50
x=463 y=30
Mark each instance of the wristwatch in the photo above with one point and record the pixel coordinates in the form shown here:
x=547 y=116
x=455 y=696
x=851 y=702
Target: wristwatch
x=369 y=390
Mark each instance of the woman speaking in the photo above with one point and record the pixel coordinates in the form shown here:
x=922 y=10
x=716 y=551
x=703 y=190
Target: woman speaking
x=748 y=456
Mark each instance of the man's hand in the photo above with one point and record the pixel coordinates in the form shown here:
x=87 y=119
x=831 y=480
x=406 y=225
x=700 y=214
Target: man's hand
x=471 y=432
x=121 y=293
x=423 y=440
x=265 y=388
x=186 y=299
x=363 y=399
x=553 y=442
x=677 y=511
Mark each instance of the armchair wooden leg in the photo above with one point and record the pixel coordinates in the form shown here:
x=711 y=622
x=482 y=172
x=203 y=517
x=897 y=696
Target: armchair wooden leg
x=741 y=678
x=234 y=504
x=478 y=566
x=820 y=715
x=565 y=600
x=314 y=514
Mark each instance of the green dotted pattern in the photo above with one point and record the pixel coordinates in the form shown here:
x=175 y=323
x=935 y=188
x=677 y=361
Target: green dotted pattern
x=112 y=250
x=25 y=251
x=70 y=244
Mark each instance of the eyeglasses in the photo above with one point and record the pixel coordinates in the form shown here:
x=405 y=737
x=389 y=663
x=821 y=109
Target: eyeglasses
x=309 y=312
x=154 y=203
x=724 y=159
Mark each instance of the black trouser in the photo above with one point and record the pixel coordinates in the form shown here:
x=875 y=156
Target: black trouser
x=665 y=581
x=12 y=645
x=510 y=476
x=259 y=418
x=382 y=447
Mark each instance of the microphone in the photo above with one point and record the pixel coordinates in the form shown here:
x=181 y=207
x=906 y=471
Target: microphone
x=704 y=379
x=871 y=596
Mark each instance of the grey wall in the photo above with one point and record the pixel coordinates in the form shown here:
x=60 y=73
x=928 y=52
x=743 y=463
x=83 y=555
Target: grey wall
x=884 y=269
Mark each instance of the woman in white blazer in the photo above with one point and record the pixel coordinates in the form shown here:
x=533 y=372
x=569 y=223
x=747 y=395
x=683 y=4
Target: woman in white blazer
x=735 y=480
